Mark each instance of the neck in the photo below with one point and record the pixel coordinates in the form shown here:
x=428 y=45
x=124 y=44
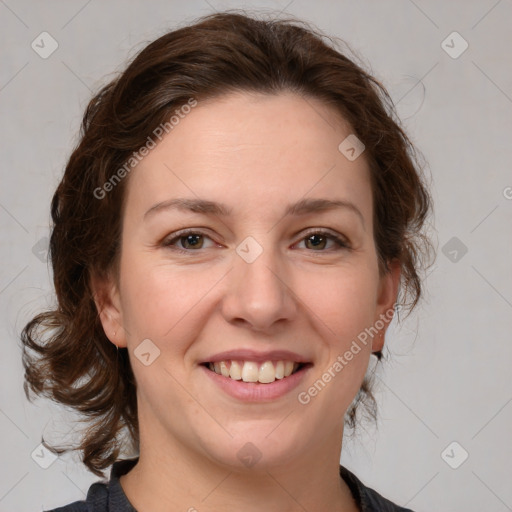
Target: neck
x=178 y=478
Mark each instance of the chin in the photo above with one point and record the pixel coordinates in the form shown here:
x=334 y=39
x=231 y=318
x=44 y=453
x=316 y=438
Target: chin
x=254 y=448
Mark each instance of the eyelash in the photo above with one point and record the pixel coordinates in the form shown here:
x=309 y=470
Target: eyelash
x=168 y=243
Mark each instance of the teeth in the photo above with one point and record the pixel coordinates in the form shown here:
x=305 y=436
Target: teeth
x=267 y=373
x=279 y=370
x=234 y=371
x=250 y=371
x=224 y=370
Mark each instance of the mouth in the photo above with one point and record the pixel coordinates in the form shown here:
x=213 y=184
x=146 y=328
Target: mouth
x=265 y=372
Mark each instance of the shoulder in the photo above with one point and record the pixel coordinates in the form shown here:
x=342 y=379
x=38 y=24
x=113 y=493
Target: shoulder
x=368 y=499
x=96 y=501
x=104 y=496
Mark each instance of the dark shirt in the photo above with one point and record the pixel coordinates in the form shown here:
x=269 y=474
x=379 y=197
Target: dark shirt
x=110 y=497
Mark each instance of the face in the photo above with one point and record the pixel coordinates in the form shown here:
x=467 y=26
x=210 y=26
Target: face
x=247 y=238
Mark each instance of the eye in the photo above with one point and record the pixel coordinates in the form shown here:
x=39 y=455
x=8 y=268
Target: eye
x=320 y=240
x=187 y=240
x=190 y=240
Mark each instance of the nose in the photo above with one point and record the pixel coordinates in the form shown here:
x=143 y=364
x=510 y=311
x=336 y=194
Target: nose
x=258 y=294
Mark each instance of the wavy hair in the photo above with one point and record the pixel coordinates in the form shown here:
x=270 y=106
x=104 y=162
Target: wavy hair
x=66 y=355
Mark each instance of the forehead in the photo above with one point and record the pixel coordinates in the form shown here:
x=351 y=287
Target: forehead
x=253 y=151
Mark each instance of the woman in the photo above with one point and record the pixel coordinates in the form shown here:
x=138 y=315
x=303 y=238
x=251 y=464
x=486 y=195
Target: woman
x=230 y=238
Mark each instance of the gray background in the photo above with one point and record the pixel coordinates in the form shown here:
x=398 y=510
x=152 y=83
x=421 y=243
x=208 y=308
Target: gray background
x=449 y=377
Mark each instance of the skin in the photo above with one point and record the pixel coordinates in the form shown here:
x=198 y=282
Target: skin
x=256 y=154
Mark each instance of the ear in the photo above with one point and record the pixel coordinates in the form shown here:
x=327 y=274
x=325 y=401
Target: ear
x=386 y=300
x=108 y=303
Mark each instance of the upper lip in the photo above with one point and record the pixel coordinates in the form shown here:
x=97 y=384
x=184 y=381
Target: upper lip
x=257 y=356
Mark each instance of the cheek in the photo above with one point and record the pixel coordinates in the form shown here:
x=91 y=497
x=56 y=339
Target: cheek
x=342 y=305
x=343 y=299
x=159 y=300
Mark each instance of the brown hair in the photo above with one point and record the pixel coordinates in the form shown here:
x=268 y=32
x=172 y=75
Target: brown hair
x=66 y=354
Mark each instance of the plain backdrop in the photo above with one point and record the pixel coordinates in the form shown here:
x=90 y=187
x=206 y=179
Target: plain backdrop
x=448 y=379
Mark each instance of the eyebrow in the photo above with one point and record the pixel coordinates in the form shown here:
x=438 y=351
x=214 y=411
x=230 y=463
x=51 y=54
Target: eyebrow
x=204 y=206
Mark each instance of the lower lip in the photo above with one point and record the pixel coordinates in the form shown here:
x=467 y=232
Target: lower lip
x=255 y=391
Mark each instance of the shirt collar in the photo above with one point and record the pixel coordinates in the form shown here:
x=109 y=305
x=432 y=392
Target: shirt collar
x=118 y=500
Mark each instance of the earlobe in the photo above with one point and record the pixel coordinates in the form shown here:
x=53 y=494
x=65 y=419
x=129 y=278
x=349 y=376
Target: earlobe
x=386 y=300
x=108 y=305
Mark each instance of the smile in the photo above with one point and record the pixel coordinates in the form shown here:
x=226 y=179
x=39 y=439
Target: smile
x=251 y=371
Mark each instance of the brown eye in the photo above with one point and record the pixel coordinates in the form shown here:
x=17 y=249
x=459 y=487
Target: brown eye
x=194 y=241
x=324 y=241
x=316 y=241
x=188 y=241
